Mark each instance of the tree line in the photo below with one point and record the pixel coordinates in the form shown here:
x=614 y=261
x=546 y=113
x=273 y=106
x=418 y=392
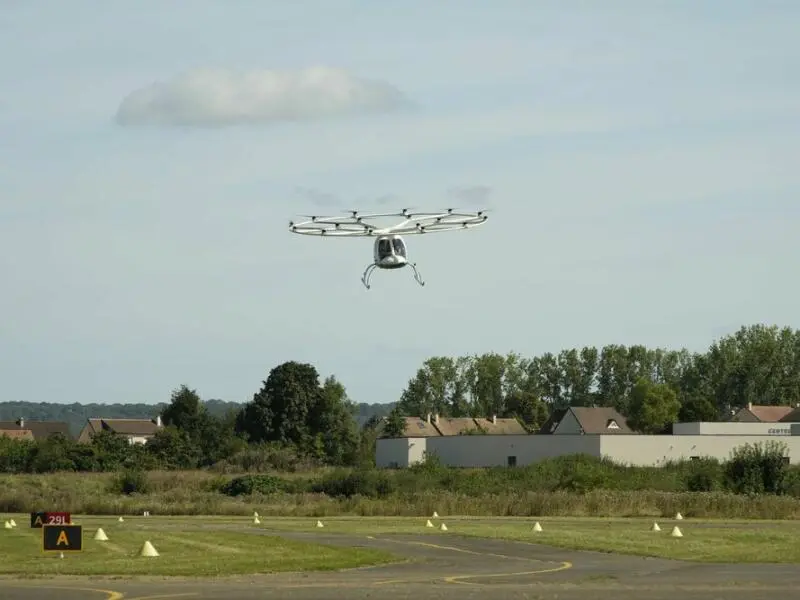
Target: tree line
x=298 y=419
x=295 y=419
x=75 y=414
x=653 y=388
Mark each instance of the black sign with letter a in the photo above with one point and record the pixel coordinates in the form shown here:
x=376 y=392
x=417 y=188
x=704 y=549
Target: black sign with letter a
x=38 y=519
x=62 y=538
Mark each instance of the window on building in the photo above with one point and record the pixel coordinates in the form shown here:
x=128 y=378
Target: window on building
x=512 y=461
x=694 y=458
x=786 y=460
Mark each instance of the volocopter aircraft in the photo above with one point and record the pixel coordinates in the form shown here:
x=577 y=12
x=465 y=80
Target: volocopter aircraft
x=389 y=249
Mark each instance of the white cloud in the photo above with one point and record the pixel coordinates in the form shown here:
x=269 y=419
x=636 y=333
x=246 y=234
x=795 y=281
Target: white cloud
x=219 y=97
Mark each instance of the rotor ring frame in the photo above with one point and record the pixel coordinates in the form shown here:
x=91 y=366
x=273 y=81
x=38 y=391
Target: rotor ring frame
x=357 y=225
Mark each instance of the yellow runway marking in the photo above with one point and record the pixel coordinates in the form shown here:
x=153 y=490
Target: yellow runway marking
x=163 y=596
x=460 y=579
x=110 y=594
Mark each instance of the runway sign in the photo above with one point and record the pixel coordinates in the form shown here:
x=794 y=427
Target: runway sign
x=40 y=519
x=62 y=538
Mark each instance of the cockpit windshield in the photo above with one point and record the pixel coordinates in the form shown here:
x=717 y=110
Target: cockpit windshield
x=384 y=248
x=399 y=247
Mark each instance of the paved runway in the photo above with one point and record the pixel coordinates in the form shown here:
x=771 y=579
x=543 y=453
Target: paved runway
x=445 y=567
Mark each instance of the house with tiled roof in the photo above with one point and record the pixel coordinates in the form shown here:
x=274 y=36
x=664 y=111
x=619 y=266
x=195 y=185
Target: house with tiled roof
x=17 y=434
x=582 y=420
x=434 y=425
x=136 y=431
x=23 y=429
x=759 y=413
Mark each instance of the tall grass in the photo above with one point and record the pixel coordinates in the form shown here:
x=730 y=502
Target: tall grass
x=565 y=486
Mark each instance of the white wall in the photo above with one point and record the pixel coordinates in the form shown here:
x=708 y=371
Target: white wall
x=655 y=450
x=400 y=452
x=731 y=428
x=494 y=450
x=138 y=439
x=638 y=450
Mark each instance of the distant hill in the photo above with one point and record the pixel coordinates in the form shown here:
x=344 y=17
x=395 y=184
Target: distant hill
x=76 y=414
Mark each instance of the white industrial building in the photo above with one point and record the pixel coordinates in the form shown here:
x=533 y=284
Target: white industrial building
x=600 y=432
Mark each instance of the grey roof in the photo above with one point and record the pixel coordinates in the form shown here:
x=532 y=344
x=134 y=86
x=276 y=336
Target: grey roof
x=591 y=419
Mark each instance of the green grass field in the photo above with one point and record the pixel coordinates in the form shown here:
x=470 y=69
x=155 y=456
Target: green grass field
x=702 y=541
x=219 y=546
x=185 y=547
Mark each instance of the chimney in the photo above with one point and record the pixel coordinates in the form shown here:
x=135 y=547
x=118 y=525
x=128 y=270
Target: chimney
x=21 y=423
x=436 y=418
x=158 y=421
x=429 y=418
x=494 y=419
x=749 y=406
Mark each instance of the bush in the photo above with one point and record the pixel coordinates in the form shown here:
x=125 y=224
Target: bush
x=248 y=485
x=757 y=469
x=132 y=481
x=704 y=475
x=369 y=483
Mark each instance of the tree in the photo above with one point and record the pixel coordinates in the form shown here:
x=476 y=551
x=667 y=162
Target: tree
x=696 y=392
x=366 y=442
x=434 y=389
x=653 y=406
x=173 y=448
x=279 y=411
x=757 y=364
x=485 y=382
x=213 y=437
x=111 y=450
x=293 y=409
x=528 y=409
x=184 y=409
x=331 y=422
x=395 y=425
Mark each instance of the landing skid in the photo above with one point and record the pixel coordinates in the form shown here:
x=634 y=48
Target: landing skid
x=367 y=276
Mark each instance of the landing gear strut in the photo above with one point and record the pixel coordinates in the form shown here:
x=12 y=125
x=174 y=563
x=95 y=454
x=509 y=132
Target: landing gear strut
x=367 y=276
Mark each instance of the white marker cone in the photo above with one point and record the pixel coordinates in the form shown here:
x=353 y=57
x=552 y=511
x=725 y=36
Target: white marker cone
x=7 y=525
x=60 y=555
x=13 y=523
x=435 y=515
x=443 y=527
x=120 y=520
x=148 y=550
x=256 y=521
x=676 y=532
x=679 y=517
x=429 y=524
x=255 y=514
x=100 y=535
x=319 y=524
x=537 y=526
x=655 y=527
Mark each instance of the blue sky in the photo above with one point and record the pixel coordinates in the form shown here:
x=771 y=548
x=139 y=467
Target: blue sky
x=641 y=161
